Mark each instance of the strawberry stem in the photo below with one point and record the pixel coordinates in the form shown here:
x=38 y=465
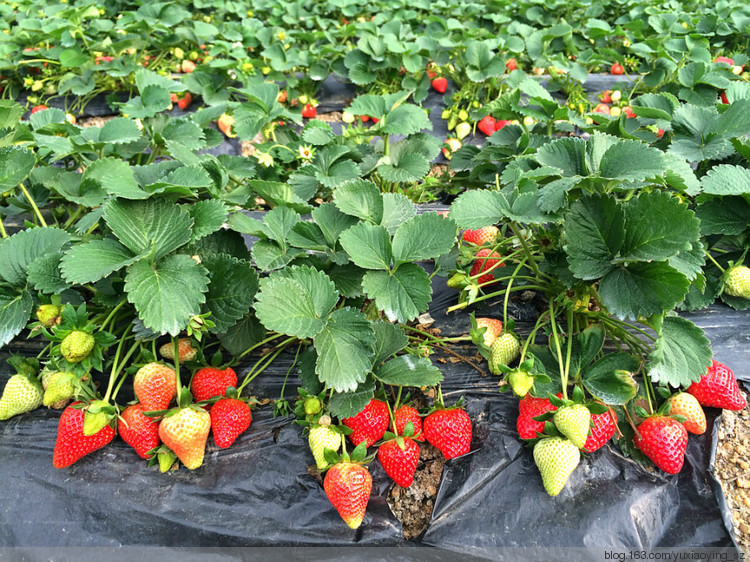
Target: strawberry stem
x=31 y=201
x=115 y=363
x=709 y=256
x=556 y=337
x=263 y=363
x=112 y=314
x=2 y=229
x=532 y=336
x=256 y=346
x=120 y=369
x=176 y=352
x=509 y=289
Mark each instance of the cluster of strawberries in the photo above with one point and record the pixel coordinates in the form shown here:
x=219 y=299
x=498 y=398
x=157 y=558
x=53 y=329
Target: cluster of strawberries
x=347 y=482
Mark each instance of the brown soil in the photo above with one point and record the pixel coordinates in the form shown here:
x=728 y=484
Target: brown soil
x=413 y=505
x=95 y=121
x=332 y=117
x=733 y=471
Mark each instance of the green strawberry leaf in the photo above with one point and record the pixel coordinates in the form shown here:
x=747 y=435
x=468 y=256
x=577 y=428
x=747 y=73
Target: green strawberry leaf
x=296 y=301
x=19 y=251
x=477 y=208
x=317 y=133
x=368 y=246
x=279 y=223
x=681 y=354
x=642 y=289
x=389 y=340
x=332 y=222
x=15 y=310
x=15 y=166
x=595 y=232
x=349 y=404
x=409 y=370
x=243 y=335
x=279 y=193
x=231 y=290
x=361 y=199
x=726 y=180
x=208 y=217
x=119 y=131
x=268 y=255
x=423 y=237
x=397 y=209
x=345 y=348
x=94 y=260
x=154 y=225
x=610 y=379
x=406 y=119
x=44 y=274
x=658 y=227
x=401 y=295
x=114 y=176
x=168 y=293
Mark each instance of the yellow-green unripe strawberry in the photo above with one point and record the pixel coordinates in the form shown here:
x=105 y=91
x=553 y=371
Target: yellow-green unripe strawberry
x=737 y=281
x=95 y=419
x=574 y=423
x=48 y=315
x=312 y=405
x=22 y=394
x=520 y=382
x=322 y=438
x=462 y=130
x=556 y=458
x=77 y=345
x=505 y=349
x=59 y=388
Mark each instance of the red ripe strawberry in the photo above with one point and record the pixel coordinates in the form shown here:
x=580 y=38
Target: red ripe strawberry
x=348 y=486
x=185 y=102
x=511 y=65
x=440 y=84
x=617 y=69
x=723 y=97
x=309 y=111
x=664 y=441
x=602 y=432
x=139 y=431
x=482 y=236
x=370 y=424
x=449 y=431
x=400 y=464
x=724 y=59
x=374 y=120
x=606 y=97
x=209 y=382
x=38 y=108
x=628 y=111
x=364 y=118
x=500 y=123
x=687 y=405
x=485 y=259
x=173 y=97
x=430 y=72
x=660 y=133
x=155 y=386
x=229 y=419
x=487 y=125
x=493 y=331
x=602 y=108
x=72 y=444
x=528 y=408
x=187 y=66
x=718 y=388
x=406 y=414
x=281 y=98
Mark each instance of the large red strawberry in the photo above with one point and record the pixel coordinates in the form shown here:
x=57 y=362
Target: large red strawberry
x=616 y=69
x=487 y=125
x=399 y=462
x=309 y=111
x=664 y=441
x=348 y=486
x=511 y=65
x=528 y=408
x=718 y=388
x=440 y=84
x=406 y=414
x=500 y=123
x=155 y=386
x=485 y=259
x=482 y=236
x=72 y=444
x=139 y=431
x=449 y=431
x=230 y=418
x=210 y=381
x=370 y=424
x=603 y=430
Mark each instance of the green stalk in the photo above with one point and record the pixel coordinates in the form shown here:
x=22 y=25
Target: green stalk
x=559 y=351
x=510 y=288
x=122 y=379
x=532 y=336
x=263 y=363
x=112 y=314
x=2 y=229
x=115 y=361
x=709 y=256
x=33 y=204
x=256 y=346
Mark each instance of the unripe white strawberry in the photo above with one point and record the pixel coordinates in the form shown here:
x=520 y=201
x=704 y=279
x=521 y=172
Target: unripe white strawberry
x=737 y=281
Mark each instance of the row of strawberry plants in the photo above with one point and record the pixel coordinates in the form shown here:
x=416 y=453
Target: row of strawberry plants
x=84 y=49
x=146 y=267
